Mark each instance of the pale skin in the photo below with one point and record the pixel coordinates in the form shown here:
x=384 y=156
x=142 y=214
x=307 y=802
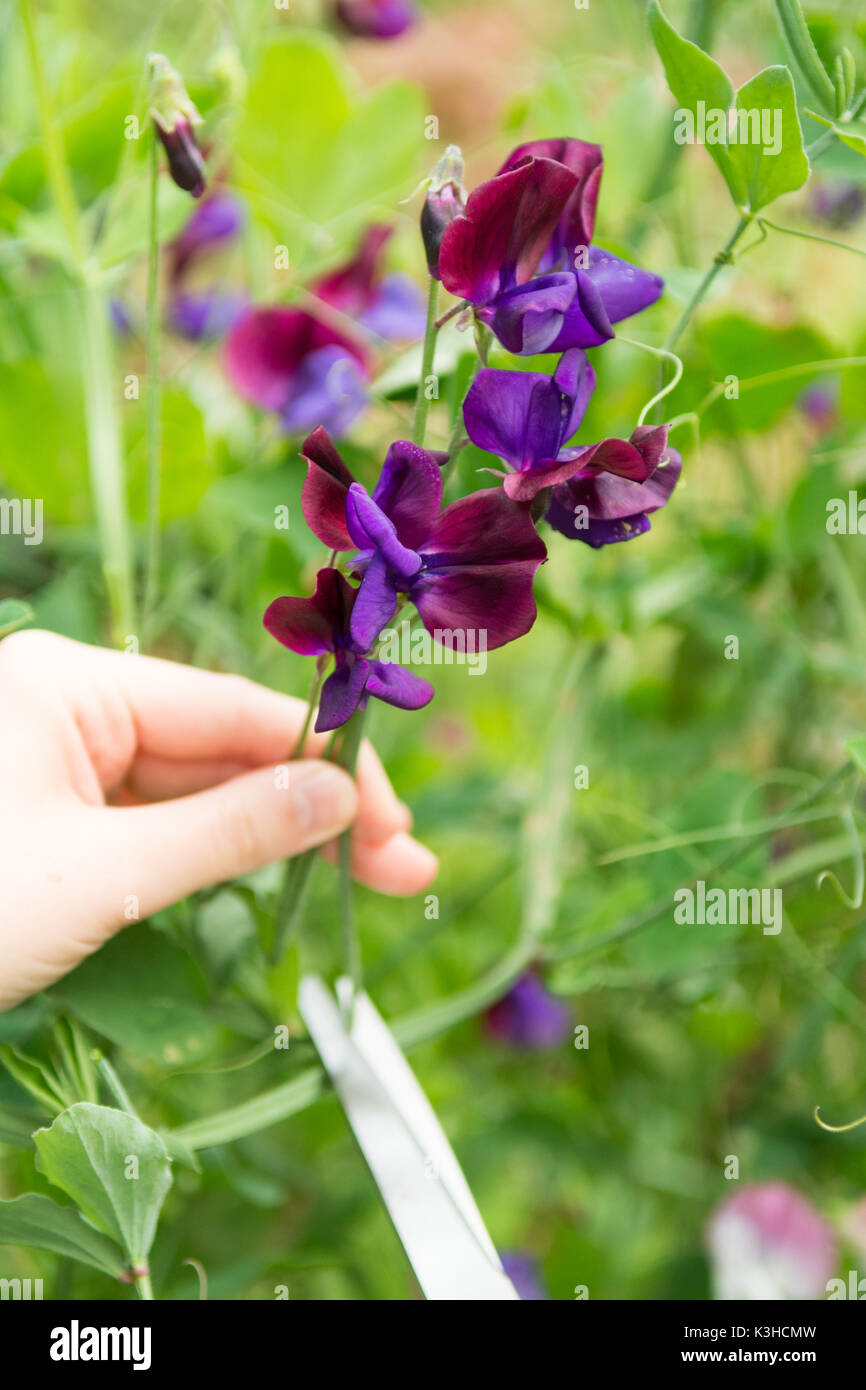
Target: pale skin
x=130 y=782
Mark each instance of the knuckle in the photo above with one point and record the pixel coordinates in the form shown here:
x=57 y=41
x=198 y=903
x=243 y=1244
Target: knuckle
x=237 y=839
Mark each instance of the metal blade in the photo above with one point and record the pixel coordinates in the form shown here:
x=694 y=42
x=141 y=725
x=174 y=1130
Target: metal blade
x=412 y=1163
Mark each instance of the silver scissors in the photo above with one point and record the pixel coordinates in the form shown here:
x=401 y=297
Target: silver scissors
x=427 y=1197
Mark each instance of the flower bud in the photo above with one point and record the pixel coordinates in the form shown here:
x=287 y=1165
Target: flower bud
x=446 y=199
x=174 y=116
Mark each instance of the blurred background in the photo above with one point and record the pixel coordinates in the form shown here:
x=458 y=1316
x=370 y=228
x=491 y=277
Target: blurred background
x=598 y=1166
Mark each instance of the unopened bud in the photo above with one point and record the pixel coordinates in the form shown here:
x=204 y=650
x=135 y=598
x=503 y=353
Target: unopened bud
x=446 y=199
x=174 y=116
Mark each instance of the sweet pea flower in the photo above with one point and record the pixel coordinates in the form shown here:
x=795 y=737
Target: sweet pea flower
x=768 y=1242
x=529 y=1016
x=521 y=253
x=376 y=19
x=468 y=569
x=388 y=306
x=602 y=508
x=285 y=360
x=321 y=625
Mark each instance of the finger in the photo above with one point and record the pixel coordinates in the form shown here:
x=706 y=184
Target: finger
x=158 y=854
x=160 y=779
x=398 y=865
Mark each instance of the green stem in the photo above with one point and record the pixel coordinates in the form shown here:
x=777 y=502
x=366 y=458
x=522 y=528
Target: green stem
x=422 y=402
x=102 y=424
x=812 y=236
x=799 y=41
x=153 y=398
x=52 y=139
x=721 y=259
x=296 y=876
x=114 y=1083
x=662 y=355
x=106 y=461
x=348 y=759
x=142 y=1283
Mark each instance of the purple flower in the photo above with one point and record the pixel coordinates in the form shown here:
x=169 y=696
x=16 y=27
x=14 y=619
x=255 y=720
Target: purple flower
x=216 y=220
x=468 y=570
x=525 y=1275
x=376 y=19
x=321 y=625
x=389 y=306
x=529 y=1016
x=602 y=508
x=209 y=314
x=285 y=360
x=768 y=1242
x=819 y=403
x=520 y=253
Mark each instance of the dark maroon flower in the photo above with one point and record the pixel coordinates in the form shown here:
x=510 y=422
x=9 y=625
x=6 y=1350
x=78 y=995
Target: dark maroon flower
x=468 y=570
x=445 y=200
x=529 y=1016
x=321 y=625
x=389 y=306
x=520 y=253
x=286 y=360
x=174 y=116
x=602 y=508
x=376 y=19
x=525 y=1275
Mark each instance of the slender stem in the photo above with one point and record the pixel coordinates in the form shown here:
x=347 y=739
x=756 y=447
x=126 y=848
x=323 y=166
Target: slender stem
x=452 y=313
x=113 y=1082
x=102 y=424
x=52 y=139
x=106 y=461
x=664 y=356
x=154 y=442
x=812 y=236
x=142 y=1283
x=297 y=871
x=422 y=403
x=348 y=759
x=721 y=259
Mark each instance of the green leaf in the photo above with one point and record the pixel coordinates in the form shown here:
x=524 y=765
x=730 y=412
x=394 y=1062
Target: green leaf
x=113 y=1167
x=856 y=750
x=754 y=176
x=36 y=1220
x=145 y=994
x=846 y=133
x=694 y=76
x=762 y=175
x=13 y=614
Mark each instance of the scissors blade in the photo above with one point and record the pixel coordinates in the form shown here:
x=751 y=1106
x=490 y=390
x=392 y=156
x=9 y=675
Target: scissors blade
x=412 y=1163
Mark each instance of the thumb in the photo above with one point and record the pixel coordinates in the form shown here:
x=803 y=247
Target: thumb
x=154 y=855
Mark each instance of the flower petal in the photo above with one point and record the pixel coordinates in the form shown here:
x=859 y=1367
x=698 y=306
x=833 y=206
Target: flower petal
x=616 y=509
x=342 y=693
x=636 y=458
x=312 y=626
x=329 y=389
x=503 y=233
x=409 y=490
x=523 y=487
x=529 y=318
x=371 y=529
x=625 y=289
x=375 y=604
x=585 y=322
x=517 y=415
x=397 y=686
x=326 y=486
x=577 y=222
x=265 y=348
x=350 y=288
x=479 y=565
x=396 y=311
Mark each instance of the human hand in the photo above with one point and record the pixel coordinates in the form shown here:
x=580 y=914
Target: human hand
x=126 y=778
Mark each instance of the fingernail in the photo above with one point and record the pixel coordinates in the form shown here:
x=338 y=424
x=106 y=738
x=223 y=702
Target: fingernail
x=324 y=799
